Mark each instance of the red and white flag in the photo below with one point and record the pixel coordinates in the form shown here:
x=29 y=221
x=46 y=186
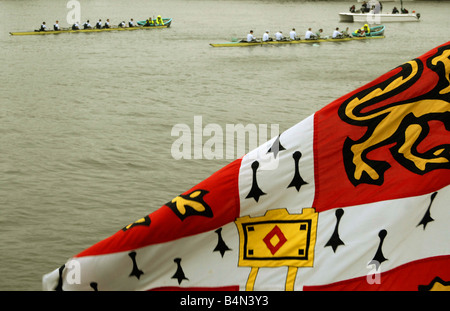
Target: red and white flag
x=355 y=197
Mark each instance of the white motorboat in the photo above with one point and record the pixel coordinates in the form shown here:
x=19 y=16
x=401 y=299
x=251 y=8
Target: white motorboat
x=380 y=18
x=371 y=13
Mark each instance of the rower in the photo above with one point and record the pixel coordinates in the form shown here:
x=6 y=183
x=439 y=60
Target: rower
x=75 y=26
x=293 y=35
x=309 y=35
x=87 y=25
x=337 y=34
x=121 y=25
x=159 y=20
x=99 y=24
x=43 y=27
x=56 y=26
x=345 y=33
x=279 y=36
x=131 y=23
x=107 y=24
x=266 y=37
x=149 y=22
x=319 y=33
x=251 y=37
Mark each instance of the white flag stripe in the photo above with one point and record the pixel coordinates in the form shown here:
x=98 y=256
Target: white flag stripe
x=275 y=181
x=359 y=227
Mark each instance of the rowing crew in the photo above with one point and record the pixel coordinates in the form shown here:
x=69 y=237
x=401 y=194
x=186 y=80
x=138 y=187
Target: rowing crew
x=149 y=22
x=309 y=35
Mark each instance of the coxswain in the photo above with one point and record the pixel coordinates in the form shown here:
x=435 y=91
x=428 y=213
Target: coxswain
x=99 y=24
x=87 y=25
x=309 y=35
x=43 y=27
x=251 y=37
x=131 y=23
x=149 y=22
x=266 y=37
x=159 y=20
x=293 y=35
x=121 y=25
x=359 y=33
x=337 y=34
x=75 y=26
x=56 y=26
x=107 y=24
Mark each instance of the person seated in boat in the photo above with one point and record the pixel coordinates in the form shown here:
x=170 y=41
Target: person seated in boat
x=319 y=33
x=75 y=26
x=395 y=10
x=121 y=24
x=99 y=24
x=345 y=33
x=149 y=22
x=86 y=25
x=266 y=37
x=107 y=24
x=43 y=27
x=56 y=26
x=352 y=9
x=279 y=36
x=131 y=23
x=309 y=35
x=366 y=29
x=358 y=33
x=293 y=35
x=251 y=37
x=405 y=11
x=337 y=34
x=159 y=21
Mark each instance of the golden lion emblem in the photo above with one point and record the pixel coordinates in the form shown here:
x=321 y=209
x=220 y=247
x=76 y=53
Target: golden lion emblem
x=400 y=122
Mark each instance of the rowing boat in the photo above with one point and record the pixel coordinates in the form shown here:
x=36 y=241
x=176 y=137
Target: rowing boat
x=167 y=22
x=374 y=32
x=244 y=43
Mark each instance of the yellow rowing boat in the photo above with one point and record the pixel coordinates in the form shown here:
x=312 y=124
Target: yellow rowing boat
x=167 y=23
x=243 y=43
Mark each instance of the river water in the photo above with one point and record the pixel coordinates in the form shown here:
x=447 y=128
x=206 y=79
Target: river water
x=86 y=120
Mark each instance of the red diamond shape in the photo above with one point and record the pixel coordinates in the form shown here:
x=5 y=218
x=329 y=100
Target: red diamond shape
x=275 y=232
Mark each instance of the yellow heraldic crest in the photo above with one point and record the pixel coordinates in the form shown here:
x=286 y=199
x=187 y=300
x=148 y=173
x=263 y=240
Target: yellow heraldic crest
x=277 y=239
